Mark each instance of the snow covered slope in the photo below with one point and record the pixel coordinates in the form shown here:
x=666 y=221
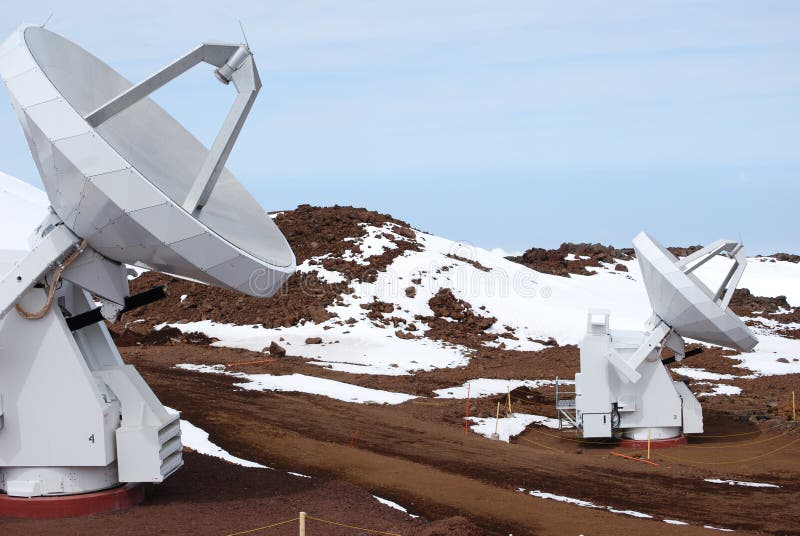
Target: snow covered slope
x=434 y=302
x=390 y=299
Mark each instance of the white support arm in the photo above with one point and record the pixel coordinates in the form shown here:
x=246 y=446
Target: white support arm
x=726 y=290
x=248 y=84
x=213 y=54
x=628 y=367
x=234 y=63
x=727 y=248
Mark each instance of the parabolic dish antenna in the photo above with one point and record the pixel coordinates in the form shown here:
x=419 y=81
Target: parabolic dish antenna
x=684 y=302
x=127 y=184
x=123 y=174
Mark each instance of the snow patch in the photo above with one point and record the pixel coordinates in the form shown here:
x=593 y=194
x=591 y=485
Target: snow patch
x=301 y=383
x=508 y=427
x=702 y=374
x=314 y=264
x=482 y=387
x=721 y=389
x=585 y=504
x=392 y=504
x=740 y=483
x=763 y=360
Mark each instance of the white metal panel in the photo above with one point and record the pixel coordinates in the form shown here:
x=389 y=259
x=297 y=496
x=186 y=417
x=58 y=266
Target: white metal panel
x=40 y=362
x=168 y=222
x=95 y=211
x=123 y=232
x=238 y=270
x=58 y=119
x=90 y=154
x=100 y=276
x=128 y=190
x=692 y=411
x=70 y=182
x=262 y=283
x=23 y=204
x=15 y=61
x=12 y=42
x=42 y=151
x=596 y=424
x=30 y=88
x=204 y=251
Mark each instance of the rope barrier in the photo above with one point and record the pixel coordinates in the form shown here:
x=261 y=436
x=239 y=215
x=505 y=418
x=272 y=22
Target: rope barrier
x=259 y=362
x=742 y=433
x=745 y=444
x=732 y=461
x=265 y=527
x=541 y=445
x=353 y=527
x=620 y=455
x=372 y=531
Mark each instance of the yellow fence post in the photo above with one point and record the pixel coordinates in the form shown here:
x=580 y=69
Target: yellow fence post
x=648 y=443
x=302 y=524
x=495 y=435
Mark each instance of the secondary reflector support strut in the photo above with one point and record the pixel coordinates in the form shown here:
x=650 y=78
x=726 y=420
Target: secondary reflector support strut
x=238 y=66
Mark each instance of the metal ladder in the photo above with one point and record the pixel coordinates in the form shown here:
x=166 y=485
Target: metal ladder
x=565 y=406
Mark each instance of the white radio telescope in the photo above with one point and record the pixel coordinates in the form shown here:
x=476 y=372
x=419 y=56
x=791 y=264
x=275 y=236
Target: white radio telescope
x=128 y=185
x=624 y=387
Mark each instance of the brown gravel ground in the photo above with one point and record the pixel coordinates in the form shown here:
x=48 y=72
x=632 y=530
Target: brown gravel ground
x=418 y=455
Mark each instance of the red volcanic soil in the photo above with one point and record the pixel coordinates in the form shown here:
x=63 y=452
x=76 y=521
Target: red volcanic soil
x=211 y=496
x=418 y=455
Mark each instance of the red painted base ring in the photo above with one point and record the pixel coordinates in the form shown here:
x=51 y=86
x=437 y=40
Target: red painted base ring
x=639 y=444
x=110 y=500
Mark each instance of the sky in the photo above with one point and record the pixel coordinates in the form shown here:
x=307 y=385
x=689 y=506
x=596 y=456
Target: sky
x=505 y=124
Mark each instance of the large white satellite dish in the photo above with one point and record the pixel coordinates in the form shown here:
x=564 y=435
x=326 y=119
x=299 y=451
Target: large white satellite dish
x=123 y=174
x=684 y=302
x=623 y=386
x=127 y=184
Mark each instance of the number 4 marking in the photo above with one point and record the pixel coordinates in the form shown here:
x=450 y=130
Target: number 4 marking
x=91 y=438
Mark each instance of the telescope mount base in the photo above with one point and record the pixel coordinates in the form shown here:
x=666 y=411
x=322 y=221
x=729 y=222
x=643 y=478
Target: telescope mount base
x=641 y=444
x=54 y=507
